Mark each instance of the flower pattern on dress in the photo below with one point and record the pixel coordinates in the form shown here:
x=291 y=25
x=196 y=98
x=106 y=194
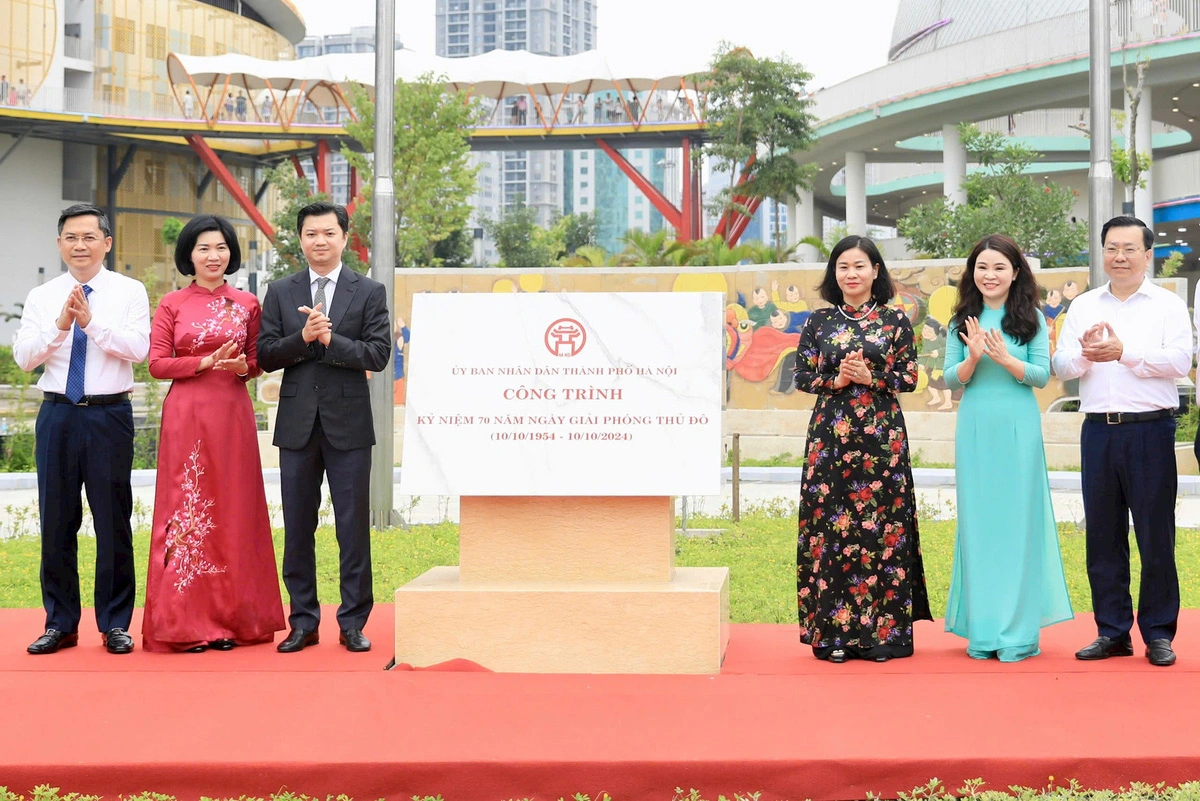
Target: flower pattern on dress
x=188 y=527
x=227 y=321
x=859 y=578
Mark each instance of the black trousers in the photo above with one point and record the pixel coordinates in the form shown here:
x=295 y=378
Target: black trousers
x=1130 y=469
x=349 y=476
x=86 y=448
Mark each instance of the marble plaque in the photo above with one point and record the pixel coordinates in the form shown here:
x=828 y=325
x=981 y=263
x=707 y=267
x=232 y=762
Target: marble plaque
x=564 y=394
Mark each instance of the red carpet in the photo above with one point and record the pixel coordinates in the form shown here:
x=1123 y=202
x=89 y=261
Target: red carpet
x=325 y=721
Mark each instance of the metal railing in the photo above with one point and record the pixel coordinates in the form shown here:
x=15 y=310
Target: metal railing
x=507 y=115
x=1134 y=23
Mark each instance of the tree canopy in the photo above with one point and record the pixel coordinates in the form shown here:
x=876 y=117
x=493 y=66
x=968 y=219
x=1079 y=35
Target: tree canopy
x=758 y=108
x=1001 y=199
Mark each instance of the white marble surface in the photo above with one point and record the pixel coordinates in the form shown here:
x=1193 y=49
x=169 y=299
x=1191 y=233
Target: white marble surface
x=507 y=397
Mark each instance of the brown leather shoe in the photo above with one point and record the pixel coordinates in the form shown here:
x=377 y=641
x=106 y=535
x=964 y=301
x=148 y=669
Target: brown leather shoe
x=52 y=641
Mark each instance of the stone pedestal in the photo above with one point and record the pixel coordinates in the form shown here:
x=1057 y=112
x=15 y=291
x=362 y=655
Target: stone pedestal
x=567 y=585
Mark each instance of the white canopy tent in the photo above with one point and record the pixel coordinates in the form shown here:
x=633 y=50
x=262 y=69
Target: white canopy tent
x=496 y=75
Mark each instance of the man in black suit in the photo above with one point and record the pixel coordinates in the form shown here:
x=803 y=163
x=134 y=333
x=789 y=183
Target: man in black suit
x=326 y=327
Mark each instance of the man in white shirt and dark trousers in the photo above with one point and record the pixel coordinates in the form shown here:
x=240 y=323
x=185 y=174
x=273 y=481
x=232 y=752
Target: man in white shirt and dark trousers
x=1127 y=342
x=87 y=327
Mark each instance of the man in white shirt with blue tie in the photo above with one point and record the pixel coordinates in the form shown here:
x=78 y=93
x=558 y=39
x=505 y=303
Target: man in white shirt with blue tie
x=1127 y=342
x=88 y=327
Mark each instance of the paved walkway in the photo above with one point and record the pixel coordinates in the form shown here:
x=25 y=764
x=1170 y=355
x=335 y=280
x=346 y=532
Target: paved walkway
x=775 y=488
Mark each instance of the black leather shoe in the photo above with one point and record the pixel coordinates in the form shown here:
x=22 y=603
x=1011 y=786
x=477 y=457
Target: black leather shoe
x=196 y=649
x=222 y=645
x=1159 y=653
x=1104 y=647
x=354 y=640
x=52 y=640
x=298 y=640
x=118 y=641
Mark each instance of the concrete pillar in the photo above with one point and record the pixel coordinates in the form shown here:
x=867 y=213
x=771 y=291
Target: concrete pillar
x=793 y=229
x=856 y=193
x=954 y=166
x=1143 y=199
x=804 y=221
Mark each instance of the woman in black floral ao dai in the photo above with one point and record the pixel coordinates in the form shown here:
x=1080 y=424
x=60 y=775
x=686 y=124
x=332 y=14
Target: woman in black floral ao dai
x=859 y=578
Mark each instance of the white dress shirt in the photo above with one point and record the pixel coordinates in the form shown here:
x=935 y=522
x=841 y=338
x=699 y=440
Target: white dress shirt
x=117 y=337
x=1156 y=335
x=333 y=276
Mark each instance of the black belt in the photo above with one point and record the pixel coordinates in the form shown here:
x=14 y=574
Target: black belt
x=87 y=400
x=1114 y=418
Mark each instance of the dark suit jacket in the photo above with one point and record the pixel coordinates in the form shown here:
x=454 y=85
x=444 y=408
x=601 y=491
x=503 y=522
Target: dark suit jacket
x=331 y=379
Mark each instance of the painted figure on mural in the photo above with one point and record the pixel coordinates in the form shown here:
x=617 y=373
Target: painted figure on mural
x=1053 y=305
x=760 y=307
x=933 y=352
x=400 y=335
x=788 y=322
x=754 y=352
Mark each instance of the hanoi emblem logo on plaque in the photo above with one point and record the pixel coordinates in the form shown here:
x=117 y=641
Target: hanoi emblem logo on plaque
x=565 y=337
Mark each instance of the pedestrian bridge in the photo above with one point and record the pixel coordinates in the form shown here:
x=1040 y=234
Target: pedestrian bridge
x=527 y=102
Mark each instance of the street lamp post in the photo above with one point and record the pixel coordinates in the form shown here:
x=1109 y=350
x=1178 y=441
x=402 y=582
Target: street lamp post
x=1100 y=177
x=383 y=257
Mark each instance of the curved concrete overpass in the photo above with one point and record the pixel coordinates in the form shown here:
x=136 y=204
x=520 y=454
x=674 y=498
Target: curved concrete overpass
x=959 y=85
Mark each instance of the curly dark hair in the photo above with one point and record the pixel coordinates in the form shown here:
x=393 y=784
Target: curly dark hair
x=1021 y=313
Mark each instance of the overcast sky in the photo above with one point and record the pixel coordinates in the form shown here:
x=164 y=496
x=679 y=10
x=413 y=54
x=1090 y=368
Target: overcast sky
x=833 y=40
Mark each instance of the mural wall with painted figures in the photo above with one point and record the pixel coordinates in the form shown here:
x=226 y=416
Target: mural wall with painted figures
x=766 y=306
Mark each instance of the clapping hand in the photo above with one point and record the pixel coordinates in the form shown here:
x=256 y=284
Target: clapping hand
x=318 y=327
x=1100 y=344
x=75 y=310
x=214 y=360
x=853 y=370
x=974 y=339
x=1093 y=335
x=236 y=365
x=996 y=348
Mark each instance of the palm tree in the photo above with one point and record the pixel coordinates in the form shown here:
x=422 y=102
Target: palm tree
x=713 y=252
x=644 y=249
x=588 y=256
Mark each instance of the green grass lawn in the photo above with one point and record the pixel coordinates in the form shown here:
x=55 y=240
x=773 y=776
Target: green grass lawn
x=760 y=552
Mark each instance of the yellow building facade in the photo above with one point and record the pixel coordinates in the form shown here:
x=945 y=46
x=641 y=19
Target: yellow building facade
x=28 y=37
x=109 y=57
x=133 y=38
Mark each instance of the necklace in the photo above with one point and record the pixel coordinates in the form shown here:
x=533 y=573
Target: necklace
x=864 y=315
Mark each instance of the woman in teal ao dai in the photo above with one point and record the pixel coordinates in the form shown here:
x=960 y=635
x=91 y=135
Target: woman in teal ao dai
x=1008 y=577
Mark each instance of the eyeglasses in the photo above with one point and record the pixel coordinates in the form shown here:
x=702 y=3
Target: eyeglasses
x=87 y=239
x=1128 y=253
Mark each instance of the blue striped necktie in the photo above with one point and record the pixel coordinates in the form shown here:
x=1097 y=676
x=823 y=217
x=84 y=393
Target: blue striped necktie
x=75 y=373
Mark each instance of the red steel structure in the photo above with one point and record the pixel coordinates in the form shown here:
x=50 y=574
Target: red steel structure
x=687 y=219
x=686 y=120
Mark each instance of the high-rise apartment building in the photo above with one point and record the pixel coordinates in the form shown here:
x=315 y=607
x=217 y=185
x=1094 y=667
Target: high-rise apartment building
x=360 y=39
x=546 y=27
